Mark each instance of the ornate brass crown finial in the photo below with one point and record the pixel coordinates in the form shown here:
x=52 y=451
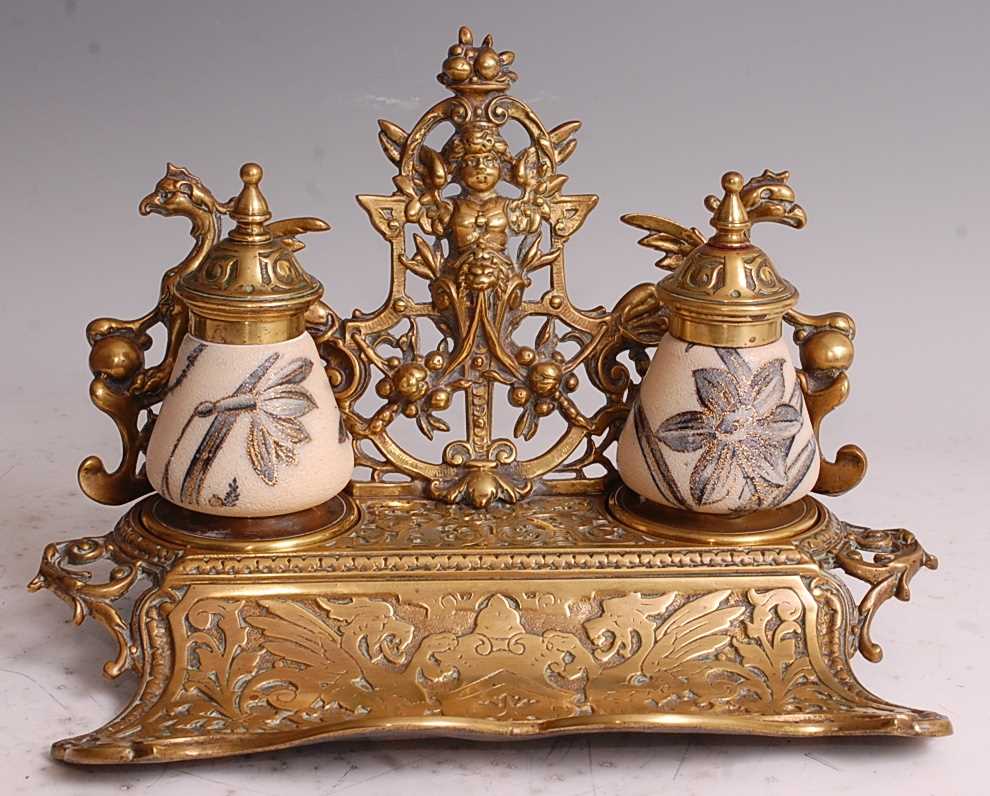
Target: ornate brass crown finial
x=250 y=288
x=726 y=291
x=476 y=69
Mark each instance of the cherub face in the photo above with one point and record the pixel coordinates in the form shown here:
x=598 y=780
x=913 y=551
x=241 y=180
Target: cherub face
x=480 y=171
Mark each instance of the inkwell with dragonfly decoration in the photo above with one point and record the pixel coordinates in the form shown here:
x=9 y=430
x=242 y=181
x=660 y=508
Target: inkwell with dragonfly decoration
x=249 y=426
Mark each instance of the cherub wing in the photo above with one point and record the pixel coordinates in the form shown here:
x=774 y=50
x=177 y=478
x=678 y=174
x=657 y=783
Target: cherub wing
x=430 y=172
x=215 y=436
x=560 y=139
x=535 y=175
x=432 y=168
x=675 y=241
x=392 y=139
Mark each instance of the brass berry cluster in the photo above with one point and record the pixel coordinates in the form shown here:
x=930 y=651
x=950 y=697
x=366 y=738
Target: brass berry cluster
x=468 y=66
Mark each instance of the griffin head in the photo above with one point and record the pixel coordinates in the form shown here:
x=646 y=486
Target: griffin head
x=180 y=192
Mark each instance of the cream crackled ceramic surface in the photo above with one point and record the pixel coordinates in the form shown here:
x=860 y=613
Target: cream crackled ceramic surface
x=249 y=430
x=719 y=430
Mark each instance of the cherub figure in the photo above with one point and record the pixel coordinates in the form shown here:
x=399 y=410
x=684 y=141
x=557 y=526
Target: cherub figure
x=477 y=222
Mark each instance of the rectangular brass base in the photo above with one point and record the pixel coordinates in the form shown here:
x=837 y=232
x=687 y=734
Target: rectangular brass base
x=549 y=617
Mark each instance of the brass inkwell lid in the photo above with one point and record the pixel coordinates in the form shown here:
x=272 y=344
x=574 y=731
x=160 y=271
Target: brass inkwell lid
x=742 y=306
x=250 y=288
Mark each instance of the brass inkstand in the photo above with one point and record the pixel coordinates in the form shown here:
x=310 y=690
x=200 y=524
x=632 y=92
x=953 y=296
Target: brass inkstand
x=508 y=585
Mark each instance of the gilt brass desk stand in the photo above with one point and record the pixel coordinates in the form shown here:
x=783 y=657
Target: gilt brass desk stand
x=507 y=586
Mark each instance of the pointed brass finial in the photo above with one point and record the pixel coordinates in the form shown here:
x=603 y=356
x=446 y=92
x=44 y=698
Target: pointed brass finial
x=730 y=218
x=250 y=208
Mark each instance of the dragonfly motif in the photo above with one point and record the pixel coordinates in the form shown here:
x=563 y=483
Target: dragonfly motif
x=274 y=400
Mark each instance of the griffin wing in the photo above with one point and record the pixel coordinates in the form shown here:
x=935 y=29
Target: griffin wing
x=287 y=229
x=296 y=634
x=676 y=242
x=695 y=630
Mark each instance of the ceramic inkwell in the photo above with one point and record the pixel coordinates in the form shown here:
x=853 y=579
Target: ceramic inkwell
x=249 y=426
x=720 y=424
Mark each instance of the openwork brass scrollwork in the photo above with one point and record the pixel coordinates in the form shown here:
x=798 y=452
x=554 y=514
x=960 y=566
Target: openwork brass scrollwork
x=61 y=571
x=896 y=558
x=480 y=291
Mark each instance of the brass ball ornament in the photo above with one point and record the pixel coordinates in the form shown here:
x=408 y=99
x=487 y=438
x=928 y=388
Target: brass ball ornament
x=827 y=350
x=457 y=68
x=116 y=357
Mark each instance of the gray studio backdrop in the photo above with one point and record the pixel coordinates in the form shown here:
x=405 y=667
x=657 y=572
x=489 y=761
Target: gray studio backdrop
x=879 y=110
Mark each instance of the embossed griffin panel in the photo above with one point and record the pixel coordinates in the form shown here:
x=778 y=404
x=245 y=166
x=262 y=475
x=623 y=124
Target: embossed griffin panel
x=518 y=654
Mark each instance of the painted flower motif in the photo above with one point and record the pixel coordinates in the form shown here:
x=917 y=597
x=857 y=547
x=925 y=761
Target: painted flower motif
x=745 y=430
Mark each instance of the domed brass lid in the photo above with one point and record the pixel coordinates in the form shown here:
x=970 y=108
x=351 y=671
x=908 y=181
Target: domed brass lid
x=727 y=292
x=250 y=288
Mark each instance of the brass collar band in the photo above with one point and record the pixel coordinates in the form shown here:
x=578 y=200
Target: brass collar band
x=747 y=334
x=248 y=317
x=246 y=331
x=726 y=324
